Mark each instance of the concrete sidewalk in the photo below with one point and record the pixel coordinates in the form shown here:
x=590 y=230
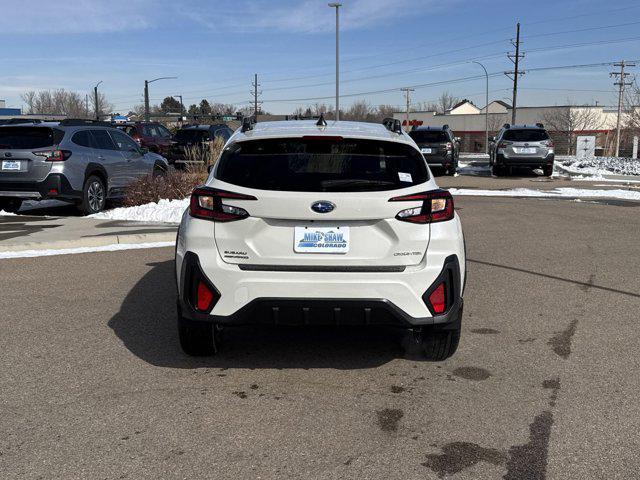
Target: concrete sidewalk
x=36 y=232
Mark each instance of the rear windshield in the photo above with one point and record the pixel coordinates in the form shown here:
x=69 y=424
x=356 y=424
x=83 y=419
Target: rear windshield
x=192 y=136
x=528 y=135
x=128 y=129
x=428 y=136
x=29 y=137
x=322 y=165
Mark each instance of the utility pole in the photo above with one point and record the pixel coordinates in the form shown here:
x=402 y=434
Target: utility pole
x=181 y=104
x=96 y=100
x=486 y=108
x=337 y=7
x=620 y=83
x=147 y=115
x=86 y=105
x=407 y=93
x=255 y=94
x=515 y=58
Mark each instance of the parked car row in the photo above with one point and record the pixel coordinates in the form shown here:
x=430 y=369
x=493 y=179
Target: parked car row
x=88 y=162
x=79 y=161
x=514 y=146
x=158 y=139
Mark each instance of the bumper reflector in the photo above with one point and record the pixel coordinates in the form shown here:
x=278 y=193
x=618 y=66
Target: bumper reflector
x=204 y=297
x=437 y=299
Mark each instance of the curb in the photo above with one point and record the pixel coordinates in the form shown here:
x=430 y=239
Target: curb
x=94 y=241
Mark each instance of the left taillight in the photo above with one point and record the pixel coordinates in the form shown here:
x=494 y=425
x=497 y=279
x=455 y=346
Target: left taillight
x=53 y=155
x=437 y=206
x=207 y=203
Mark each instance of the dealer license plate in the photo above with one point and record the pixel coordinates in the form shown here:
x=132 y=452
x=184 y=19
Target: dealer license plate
x=10 y=165
x=321 y=239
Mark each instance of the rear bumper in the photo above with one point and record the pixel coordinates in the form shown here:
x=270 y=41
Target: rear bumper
x=54 y=186
x=292 y=310
x=512 y=161
x=439 y=160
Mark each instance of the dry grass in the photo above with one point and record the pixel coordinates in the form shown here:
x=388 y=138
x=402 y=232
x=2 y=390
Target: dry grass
x=206 y=154
x=176 y=184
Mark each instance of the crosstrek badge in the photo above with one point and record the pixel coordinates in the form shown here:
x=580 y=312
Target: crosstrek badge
x=405 y=177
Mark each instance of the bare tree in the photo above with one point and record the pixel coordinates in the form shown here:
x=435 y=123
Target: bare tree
x=55 y=102
x=105 y=108
x=568 y=120
x=444 y=103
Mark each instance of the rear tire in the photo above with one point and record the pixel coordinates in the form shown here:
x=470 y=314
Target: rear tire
x=438 y=346
x=497 y=171
x=198 y=339
x=10 y=205
x=547 y=170
x=94 y=195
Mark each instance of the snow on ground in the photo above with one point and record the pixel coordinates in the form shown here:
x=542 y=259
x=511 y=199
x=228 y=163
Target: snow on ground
x=599 y=166
x=67 y=251
x=6 y=214
x=555 y=193
x=165 y=211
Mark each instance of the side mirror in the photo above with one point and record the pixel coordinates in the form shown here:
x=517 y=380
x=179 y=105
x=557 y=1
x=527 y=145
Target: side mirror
x=492 y=139
x=458 y=139
x=209 y=168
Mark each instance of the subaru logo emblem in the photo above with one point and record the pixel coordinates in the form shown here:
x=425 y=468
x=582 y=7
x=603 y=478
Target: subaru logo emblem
x=322 y=206
x=7 y=154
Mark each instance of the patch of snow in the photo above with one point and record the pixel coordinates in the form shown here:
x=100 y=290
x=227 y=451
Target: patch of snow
x=165 y=211
x=475 y=155
x=555 y=193
x=67 y=251
x=7 y=214
x=598 y=166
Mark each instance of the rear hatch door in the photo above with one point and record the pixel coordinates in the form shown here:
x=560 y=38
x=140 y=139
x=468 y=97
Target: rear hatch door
x=322 y=203
x=431 y=142
x=18 y=162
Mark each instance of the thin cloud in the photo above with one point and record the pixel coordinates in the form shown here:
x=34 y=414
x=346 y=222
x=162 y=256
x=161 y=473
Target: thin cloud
x=79 y=16
x=309 y=16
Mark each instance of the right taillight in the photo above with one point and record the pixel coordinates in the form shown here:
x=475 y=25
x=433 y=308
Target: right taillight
x=437 y=206
x=206 y=203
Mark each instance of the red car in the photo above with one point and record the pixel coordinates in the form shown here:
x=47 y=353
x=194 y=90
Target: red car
x=151 y=135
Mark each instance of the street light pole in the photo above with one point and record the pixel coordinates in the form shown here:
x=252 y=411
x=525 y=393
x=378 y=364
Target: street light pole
x=95 y=99
x=337 y=7
x=486 y=108
x=147 y=115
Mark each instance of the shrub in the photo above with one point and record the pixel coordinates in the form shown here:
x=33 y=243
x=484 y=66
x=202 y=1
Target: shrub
x=176 y=184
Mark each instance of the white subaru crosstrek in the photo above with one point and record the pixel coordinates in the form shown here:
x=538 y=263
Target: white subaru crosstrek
x=309 y=223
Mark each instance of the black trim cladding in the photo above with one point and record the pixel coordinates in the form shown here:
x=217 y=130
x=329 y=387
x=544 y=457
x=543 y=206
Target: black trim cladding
x=322 y=311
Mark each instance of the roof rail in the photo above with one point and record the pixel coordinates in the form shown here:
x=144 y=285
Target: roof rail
x=392 y=124
x=78 y=122
x=506 y=125
x=247 y=123
x=321 y=121
x=540 y=125
x=16 y=121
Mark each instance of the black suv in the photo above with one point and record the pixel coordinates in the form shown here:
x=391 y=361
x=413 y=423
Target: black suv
x=439 y=146
x=521 y=146
x=196 y=136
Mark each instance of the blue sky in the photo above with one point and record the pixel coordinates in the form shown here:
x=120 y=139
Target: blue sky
x=215 y=47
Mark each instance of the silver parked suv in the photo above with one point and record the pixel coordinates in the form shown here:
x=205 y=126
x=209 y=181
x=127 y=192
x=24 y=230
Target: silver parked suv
x=521 y=146
x=80 y=161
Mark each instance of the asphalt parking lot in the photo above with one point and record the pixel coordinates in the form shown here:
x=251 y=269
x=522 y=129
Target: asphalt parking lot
x=544 y=384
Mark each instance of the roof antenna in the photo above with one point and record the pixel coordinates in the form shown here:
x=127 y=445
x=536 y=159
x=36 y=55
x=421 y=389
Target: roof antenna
x=321 y=121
